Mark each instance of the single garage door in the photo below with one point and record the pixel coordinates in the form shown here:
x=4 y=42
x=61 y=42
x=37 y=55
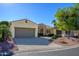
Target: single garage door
x=24 y=32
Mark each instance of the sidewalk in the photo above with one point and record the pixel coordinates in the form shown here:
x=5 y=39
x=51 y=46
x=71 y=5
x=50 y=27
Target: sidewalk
x=29 y=48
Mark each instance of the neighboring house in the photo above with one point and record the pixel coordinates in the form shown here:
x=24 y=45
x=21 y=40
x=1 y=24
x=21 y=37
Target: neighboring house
x=68 y=33
x=74 y=33
x=58 y=33
x=24 y=28
x=45 y=29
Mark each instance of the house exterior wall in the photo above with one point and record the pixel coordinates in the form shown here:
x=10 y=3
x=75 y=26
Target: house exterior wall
x=22 y=24
x=45 y=29
x=51 y=31
x=76 y=33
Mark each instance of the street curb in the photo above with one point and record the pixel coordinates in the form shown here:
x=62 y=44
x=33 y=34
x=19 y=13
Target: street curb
x=58 y=49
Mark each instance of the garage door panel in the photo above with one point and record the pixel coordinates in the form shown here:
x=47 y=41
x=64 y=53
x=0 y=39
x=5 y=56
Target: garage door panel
x=24 y=32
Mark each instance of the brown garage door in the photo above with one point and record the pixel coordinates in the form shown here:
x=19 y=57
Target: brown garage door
x=24 y=32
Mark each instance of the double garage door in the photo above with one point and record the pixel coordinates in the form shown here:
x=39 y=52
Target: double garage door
x=24 y=32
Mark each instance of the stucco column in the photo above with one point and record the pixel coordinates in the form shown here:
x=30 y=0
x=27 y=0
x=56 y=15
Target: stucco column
x=36 y=32
x=44 y=31
x=12 y=31
x=54 y=31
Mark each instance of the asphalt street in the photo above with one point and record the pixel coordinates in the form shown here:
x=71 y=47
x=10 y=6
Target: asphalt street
x=67 y=52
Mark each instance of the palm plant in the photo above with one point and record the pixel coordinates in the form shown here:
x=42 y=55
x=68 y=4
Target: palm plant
x=4 y=29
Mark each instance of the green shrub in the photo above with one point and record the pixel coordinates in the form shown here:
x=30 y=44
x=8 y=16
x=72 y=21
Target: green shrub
x=5 y=28
x=5 y=23
x=54 y=36
x=1 y=40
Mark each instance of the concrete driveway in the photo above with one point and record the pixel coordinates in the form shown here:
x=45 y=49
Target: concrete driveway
x=31 y=41
x=29 y=44
x=34 y=44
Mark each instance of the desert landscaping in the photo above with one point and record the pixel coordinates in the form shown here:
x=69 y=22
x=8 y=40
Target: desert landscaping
x=66 y=41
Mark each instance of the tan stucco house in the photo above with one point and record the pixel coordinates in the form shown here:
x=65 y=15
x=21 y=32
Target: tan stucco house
x=24 y=28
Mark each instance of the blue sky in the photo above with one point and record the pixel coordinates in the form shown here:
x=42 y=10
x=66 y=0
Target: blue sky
x=38 y=12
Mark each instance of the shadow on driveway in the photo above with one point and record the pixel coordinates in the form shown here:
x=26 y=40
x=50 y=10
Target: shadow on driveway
x=31 y=41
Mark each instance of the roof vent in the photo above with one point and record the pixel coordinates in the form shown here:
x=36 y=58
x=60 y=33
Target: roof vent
x=26 y=21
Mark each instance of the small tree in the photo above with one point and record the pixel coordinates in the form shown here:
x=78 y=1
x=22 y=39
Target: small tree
x=4 y=29
x=67 y=19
